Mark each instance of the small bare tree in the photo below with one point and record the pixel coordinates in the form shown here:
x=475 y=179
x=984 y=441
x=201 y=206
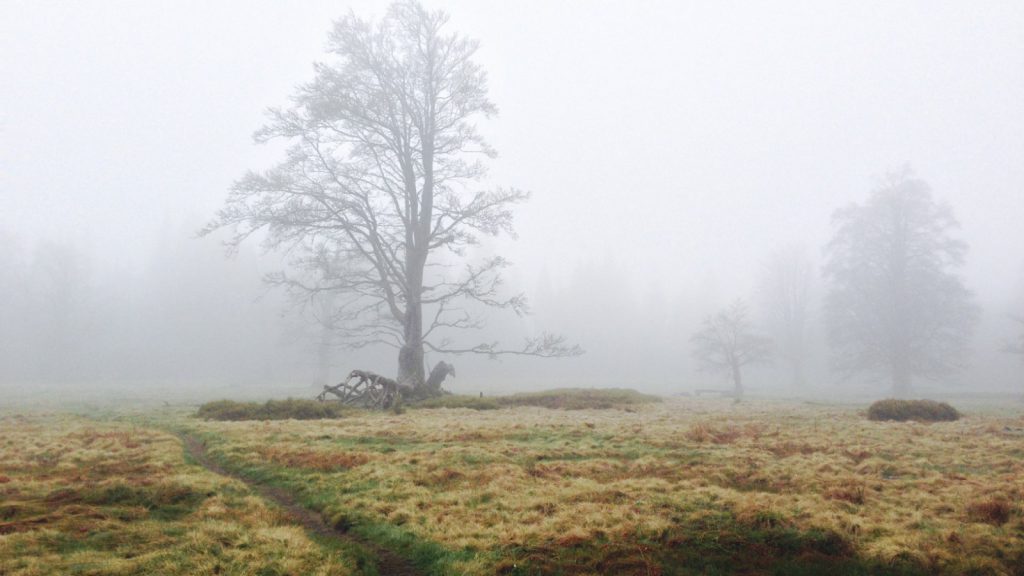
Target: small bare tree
x=377 y=198
x=726 y=343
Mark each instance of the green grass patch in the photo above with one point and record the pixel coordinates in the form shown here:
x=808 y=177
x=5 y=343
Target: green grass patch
x=458 y=401
x=329 y=502
x=290 y=409
x=557 y=399
x=580 y=399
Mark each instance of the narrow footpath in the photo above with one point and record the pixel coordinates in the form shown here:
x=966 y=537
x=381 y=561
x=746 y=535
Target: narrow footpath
x=387 y=562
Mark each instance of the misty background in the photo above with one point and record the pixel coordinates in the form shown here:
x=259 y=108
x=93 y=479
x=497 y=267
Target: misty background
x=671 y=148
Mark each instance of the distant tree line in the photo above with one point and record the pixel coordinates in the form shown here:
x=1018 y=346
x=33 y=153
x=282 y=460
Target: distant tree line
x=185 y=318
x=895 y=308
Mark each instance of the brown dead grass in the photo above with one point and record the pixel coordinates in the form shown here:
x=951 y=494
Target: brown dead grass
x=996 y=511
x=324 y=461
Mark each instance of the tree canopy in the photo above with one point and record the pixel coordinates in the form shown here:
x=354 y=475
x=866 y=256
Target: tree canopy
x=896 y=308
x=380 y=194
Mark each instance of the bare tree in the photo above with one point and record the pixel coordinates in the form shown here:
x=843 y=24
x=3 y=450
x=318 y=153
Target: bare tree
x=895 y=306
x=786 y=299
x=726 y=343
x=377 y=198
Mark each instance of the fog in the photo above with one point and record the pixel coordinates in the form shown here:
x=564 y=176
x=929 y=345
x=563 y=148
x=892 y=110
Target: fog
x=670 y=149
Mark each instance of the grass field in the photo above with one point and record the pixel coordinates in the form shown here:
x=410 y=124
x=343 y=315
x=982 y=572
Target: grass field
x=84 y=497
x=685 y=486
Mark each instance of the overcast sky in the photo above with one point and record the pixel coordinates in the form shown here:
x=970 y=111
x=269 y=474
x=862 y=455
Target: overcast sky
x=680 y=140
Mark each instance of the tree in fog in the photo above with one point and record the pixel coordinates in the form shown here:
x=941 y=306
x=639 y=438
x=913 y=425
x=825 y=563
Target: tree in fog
x=896 y=307
x=727 y=342
x=786 y=301
x=379 y=198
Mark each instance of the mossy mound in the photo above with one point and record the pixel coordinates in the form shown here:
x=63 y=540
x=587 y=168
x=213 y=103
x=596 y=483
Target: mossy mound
x=290 y=409
x=917 y=410
x=580 y=398
x=557 y=399
x=459 y=401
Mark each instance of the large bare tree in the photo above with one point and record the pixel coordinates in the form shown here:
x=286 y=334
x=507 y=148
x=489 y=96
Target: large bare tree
x=726 y=343
x=896 y=307
x=785 y=294
x=379 y=196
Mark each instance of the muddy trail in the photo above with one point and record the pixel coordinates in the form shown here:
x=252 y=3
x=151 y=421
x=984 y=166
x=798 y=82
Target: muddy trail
x=387 y=562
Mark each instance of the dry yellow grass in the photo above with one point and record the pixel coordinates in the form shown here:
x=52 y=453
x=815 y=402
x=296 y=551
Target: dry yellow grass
x=685 y=487
x=525 y=485
x=85 y=497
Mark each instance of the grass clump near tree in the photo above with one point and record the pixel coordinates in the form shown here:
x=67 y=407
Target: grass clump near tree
x=557 y=399
x=290 y=409
x=581 y=398
x=917 y=410
x=459 y=401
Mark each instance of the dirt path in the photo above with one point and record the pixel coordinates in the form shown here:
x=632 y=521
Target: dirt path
x=387 y=562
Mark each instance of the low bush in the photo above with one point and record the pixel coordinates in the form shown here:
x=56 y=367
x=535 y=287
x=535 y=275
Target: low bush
x=919 y=410
x=290 y=409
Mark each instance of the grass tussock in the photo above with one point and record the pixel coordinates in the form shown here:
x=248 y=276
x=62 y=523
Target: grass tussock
x=290 y=409
x=994 y=511
x=916 y=410
x=324 y=461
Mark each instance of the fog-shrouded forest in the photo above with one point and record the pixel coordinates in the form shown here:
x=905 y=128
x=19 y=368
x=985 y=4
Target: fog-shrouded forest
x=782 y=199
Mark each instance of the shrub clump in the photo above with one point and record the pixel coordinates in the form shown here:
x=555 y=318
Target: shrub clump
x=290 y=409
x=919 y=410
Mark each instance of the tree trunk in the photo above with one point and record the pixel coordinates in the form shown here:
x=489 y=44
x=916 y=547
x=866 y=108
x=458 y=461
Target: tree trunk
x=737 y=381
x=411 y=370
x=410 y=362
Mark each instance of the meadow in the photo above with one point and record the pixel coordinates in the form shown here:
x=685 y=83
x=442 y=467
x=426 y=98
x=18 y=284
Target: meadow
x=684 y=486
x=86 y=497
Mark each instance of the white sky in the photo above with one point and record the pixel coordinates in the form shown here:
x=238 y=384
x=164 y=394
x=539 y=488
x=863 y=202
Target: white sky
x=680 y=139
